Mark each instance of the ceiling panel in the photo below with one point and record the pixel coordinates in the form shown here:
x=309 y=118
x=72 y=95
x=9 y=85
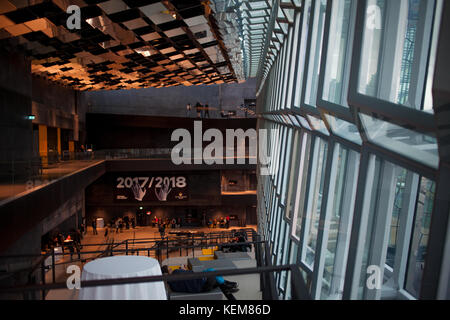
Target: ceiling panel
x=122 y=44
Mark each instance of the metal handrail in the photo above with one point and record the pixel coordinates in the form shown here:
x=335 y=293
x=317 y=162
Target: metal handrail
x=264 y=268
x=172 y=277
x=153 y=240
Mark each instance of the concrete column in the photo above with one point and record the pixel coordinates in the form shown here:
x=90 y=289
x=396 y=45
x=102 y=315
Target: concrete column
x=58 y=144
x=43 y=145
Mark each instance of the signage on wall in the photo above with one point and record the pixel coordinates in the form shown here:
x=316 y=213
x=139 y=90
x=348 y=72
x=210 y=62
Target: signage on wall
x=157 y=188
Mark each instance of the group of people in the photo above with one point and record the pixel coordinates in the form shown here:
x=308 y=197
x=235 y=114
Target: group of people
x=72 y=242
x=202 y=110
x=166 y=222
x=163 y=224
x=118 y=224
x=223 y=222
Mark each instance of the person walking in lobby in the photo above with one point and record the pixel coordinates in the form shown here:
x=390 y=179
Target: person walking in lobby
x=94 y=227
x=162 y=230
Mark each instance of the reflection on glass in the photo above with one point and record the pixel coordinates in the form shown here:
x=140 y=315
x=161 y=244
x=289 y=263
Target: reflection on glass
x=344 y=129
x=304 y=123
x=408 y=143
x=318 y=125
x=370 y=199
x=315 y=201
x=395 y=220
x=302 y=52
x=421 y=231
x=334 y=89
x=315 y=52
x=287 y=165
x=339 y=219
x=399 y=37
x=301 y=185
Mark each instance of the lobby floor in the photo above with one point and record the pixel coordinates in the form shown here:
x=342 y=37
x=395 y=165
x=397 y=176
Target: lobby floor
x=249 y=285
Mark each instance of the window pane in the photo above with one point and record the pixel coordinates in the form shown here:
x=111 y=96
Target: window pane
x=301 y=185
x=372 y=192
x=304 y=123
x=394 y=228
x=396 y=46
x=302 y=52
x=287 y=166
x=315 y=53
x=339 y=222
x=421 y=231
x=339 y=52
x=315 y=201
x=344 y=129
x=405 y=142
x=318 y=125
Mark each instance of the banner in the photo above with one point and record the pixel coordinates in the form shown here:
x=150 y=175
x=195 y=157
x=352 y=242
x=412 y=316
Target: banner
x=151 y=188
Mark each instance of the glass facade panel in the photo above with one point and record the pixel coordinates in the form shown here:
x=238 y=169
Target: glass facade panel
x=302 y=52
x=396 y=45
x=304 y=122
x=339 y=52
x=314 y=201
x=315 y=53
x=301 y=186
x=420 y=234
x=344 y=129
x=379 y=199
x=339 y=222
x=318 y=125
x=408 y=143
x=393 y=244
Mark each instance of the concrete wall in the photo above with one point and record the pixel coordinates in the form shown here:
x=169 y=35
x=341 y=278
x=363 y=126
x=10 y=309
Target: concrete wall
x=21 y=95
x=125 y=131
x=171 y=101
x=16 y=143
x=57 y=106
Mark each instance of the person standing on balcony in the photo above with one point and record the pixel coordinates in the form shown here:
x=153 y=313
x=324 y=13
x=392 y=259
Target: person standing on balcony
x=188 y=110
x=198 y=108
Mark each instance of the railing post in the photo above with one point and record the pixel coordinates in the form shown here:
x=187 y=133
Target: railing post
x=53 y=265
x=126 y=247
x=270 y=279
x=112 y=248
x=43 y=276
x=167 y=248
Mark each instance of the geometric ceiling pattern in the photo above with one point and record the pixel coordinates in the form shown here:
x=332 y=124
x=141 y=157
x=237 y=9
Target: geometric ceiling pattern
x=122 y=44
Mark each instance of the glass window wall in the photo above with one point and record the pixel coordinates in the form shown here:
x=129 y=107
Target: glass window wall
x=398 y=46
x=338 y=223
x=314 y=203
